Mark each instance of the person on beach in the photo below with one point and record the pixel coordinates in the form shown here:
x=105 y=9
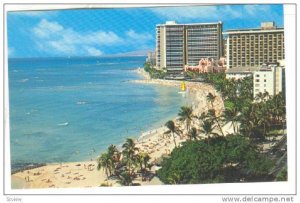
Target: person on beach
x=27 y=178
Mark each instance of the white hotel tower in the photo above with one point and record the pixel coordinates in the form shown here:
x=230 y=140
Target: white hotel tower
x=178 y=45
x=269 y=79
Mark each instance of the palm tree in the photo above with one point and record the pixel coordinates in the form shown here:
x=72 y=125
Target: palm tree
x=278 y=108
x=211 y=98
x=193 y=133
x=143 y=159
x=146 y=159
x=263 y=114
x=114 y=155
x=173 y=129
x=232 y=114
x=261 y=96
x=266 y=95
x=281 y=105
x=129 y=152
x=251 y=123
x=105 y=162
x=245 y=88
x=228 y=89
x=212 y=113
x=277 y=111
x=212 y=116
x=186 y=115
x=125 y=178
x=207 y=127
x=258 y=96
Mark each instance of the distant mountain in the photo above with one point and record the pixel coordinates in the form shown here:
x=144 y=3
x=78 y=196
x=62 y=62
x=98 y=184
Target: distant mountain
x=132 y=53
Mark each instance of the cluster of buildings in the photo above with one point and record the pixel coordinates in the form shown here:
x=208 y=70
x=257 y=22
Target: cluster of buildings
x=178 y=45
x=206 y=65
x=204 y=47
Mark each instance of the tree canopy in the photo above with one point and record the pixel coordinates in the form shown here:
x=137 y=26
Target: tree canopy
x=222 y=159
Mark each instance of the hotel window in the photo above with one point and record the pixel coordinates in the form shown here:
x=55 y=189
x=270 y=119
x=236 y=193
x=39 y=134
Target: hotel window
x=257 y=80
x=265 y=80
x=257 y=75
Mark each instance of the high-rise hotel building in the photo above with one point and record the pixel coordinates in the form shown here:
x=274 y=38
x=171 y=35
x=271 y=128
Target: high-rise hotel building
x=269 y=79
x=254 y=47
x=178 y=45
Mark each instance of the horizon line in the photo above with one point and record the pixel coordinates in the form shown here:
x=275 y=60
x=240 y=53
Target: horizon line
x=102 y=56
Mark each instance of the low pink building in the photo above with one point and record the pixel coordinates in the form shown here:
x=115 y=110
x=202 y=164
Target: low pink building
x=208 y=65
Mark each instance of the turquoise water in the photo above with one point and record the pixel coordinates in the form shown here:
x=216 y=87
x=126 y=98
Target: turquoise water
x=71 y=109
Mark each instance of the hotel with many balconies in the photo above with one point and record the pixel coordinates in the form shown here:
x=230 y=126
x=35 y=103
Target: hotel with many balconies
x=178 y=45
x=254 y=47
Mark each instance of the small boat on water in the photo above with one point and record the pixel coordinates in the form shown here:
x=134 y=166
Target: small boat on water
x=182 y=88
x=81 y=102
x=63 y=124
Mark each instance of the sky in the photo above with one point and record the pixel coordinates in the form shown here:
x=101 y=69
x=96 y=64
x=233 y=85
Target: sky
x=118 y=31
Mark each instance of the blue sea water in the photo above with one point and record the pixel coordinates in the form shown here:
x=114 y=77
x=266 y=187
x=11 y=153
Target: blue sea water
x=72 y=109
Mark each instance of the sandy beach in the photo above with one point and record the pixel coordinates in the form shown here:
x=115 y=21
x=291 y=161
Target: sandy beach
x=154 y=142
x=68 y=175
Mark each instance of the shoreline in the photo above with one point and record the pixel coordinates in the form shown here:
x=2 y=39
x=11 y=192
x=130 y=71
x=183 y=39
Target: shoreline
x=196 y=91
x=154 y=142
x=27 y=167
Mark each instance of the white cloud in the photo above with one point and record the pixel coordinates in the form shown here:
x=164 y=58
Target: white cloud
x=233 y=13
x=93 y=51
x=255 y=9
x=100 y=37
x=46 y=29
x=62 y=47
x=139 y=41
x=138 y=36
x=34 y=14
x=52 y=37
x=177 y=13
x=261 y=12
x=215 y=12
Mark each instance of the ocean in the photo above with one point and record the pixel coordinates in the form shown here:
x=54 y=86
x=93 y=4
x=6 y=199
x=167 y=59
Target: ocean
x=72 y=109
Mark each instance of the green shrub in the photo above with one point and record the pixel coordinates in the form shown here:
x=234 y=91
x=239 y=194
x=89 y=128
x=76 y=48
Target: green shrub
x=214 y=160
